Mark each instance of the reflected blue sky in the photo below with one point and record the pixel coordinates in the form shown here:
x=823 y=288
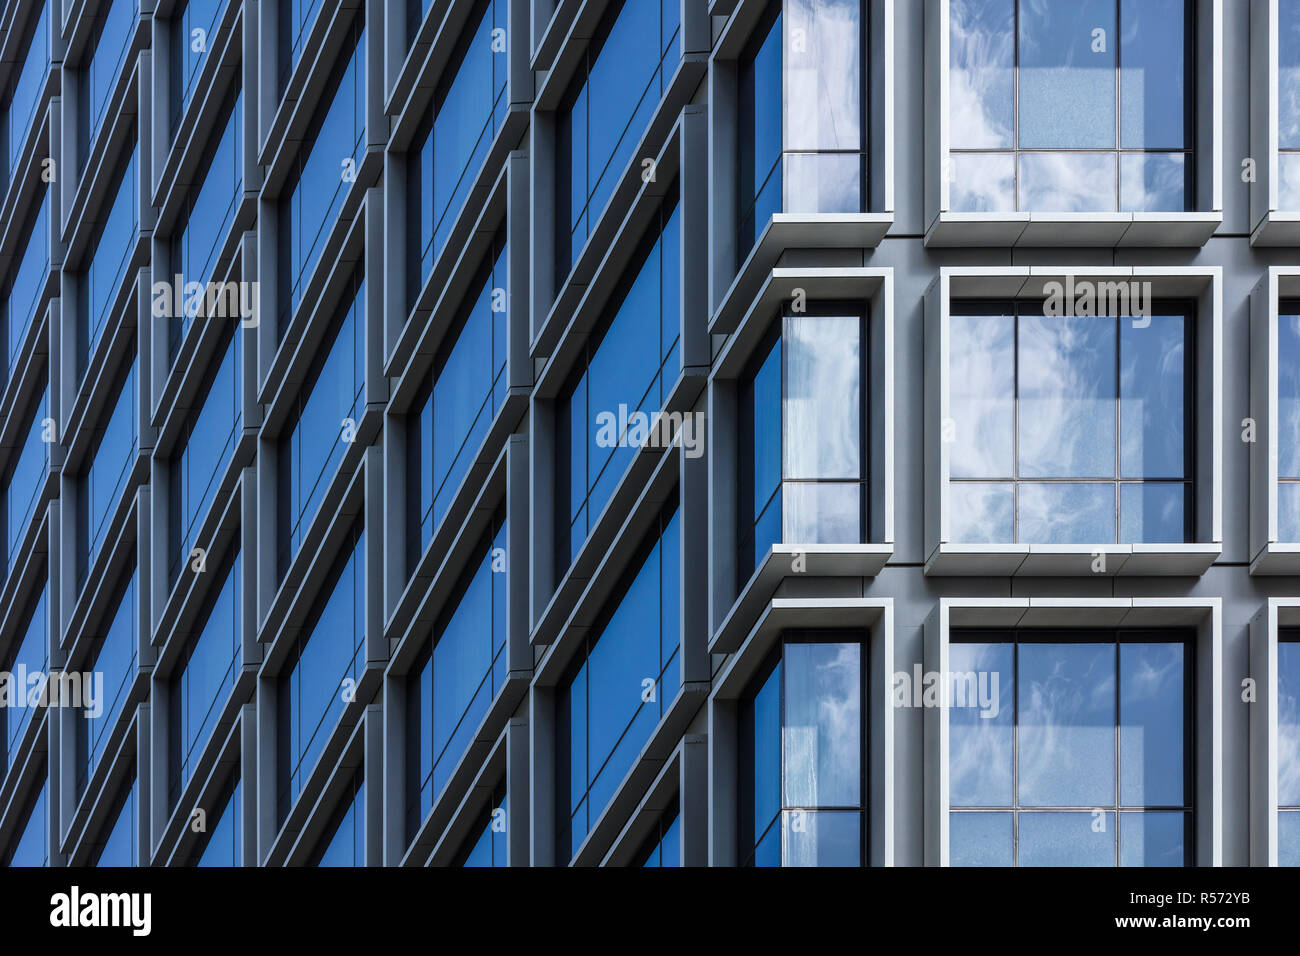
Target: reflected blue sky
x=1095 y=727
x=1099 y=75
x=1068 y=430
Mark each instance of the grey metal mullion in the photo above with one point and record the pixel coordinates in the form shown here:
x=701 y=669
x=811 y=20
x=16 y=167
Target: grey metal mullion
x=1015 y=117
x=1015 y=421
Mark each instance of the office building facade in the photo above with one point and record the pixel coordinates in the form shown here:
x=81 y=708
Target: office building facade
x=650 y=432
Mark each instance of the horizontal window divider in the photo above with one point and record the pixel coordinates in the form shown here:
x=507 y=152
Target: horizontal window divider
x=116 y=140
x=485 y=212
x=467 y=768
x=551 y=37
x=18 y=779
x=816 y=561
x=25 y=756
x=110 y=774
x=104 y=573
x=492 y=771
x=623 y=802
x=339 y=759
x=328 y=288
x=219 y=534
x=295 y=107
x=219 y=759
x=24 y=582
x=632 y=200
x=627 y=516
x=222 y=70
x=659 y=795
x=119 y=346
x=27 y=381
x=27 y=167
x=185 y=375
x=341 y=506
x=468 y=518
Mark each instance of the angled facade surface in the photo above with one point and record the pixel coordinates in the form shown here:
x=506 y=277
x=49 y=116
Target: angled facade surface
x=650 y=432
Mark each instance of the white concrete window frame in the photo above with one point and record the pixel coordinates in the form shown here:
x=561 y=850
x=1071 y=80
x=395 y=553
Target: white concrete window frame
x=745 y=320
x=1269 y=224
x=734 y=273
x=1264 y=757
x=944 y=556
x=1205 y=614
x=876 y=615
x=1268 y=554
x=945 y=227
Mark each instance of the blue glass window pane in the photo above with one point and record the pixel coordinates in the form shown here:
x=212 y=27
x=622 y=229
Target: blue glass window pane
x=30 y=467
x=768 y=851
x=1288 y=838
x=1067 y=397
x=1067 y=839
x=296 y=19
x=1152 y=685
x=1067 y=182
x=193 y=40
x=1288 y=723
x=100 y=74
x=1066 y=706
x=981 y=513
x=822 y=397
x=209 y=447
x=981 y=839
x=315 y=445
x=1288 y=79
x=823 y=76
x=312 y=205
x=116 y=661
x=1288 y=174
x=1152 y=390
x=223 y=847
x=106 y=478
x=614 y=96
x=611 y=406
x=347 y=845
x=211 y=213
x=1288 y=511
x=670 y=848
x=1061 y=62
x=1067 y=512
x=107 y=267
x=1152 y=512
x=32 y=848
x=207 y=677
x=29 y=280
x=467 y=120
x=982 y=726
x=1288 y=396
x=331 y=652
x=822 y=837
x=982 y=182
x=1151 y=838
x=766 y=421
x=982 y=395
x=823 y=725
x=1153 y=182
x=767 y=754
x=24 y=97
x=122 y=843
x=1152 y=61
x=465 y=392
x=30 y=656
x=981 y=57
